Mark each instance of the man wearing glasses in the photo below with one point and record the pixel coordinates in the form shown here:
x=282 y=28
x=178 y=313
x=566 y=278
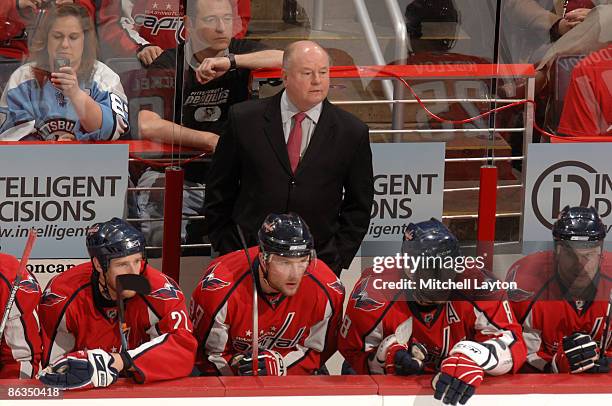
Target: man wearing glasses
x=212 y=74
x=298 y=311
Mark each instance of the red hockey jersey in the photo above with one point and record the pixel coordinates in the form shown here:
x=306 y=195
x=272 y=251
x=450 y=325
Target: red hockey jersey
x=372 y=315
x=587 y=109
x=127 y=25
x=546 y=318
x=75 y=316
x=21 y=346
x=302 y=328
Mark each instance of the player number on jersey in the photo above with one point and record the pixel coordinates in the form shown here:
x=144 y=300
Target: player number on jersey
x=346 y=324
x=119 y=106
x=508 y=311
x=195 y=312
x=180 y=318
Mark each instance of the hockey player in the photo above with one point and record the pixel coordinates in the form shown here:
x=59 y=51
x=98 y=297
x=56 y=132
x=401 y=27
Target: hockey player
x=562 y=296
x=416 y=328
x=79 y=316
x=20 y=343
x=299 y=305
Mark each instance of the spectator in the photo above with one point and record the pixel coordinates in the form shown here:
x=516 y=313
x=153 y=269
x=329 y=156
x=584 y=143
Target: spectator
x=20 y=341
x=145 y=28
x=64 y=93
x=216 y=77
x=15 y=15
x=294 y=152
x=587 y=108
x=300 y=302
x=541 y=22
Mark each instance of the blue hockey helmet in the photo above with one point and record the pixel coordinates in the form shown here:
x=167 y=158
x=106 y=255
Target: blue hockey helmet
x=113 y=239
x=430 y=238
x=580 y=224
x=286 y=235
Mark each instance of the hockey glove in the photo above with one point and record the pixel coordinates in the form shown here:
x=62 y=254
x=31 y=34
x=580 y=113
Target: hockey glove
x=80 y=370
x=393 y=358
x=269 y=363
x=602 y=366
x=463 y=371
x=457 y=380
x=579 y=353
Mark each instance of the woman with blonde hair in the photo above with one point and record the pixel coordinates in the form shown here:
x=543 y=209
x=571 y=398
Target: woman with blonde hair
x=64 y=93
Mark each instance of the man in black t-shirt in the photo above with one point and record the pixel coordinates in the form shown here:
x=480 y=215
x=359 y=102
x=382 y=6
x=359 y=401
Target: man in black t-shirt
x=212 y=74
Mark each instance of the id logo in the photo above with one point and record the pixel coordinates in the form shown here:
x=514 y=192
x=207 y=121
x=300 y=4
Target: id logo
x=571 y=183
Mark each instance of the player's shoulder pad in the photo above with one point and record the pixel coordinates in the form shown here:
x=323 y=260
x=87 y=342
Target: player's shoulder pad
x=163 y=287
x=63 y=286
x=218 y=277
x=326 y=278
x=606 y=265
x=365 y=296
x=28 y=285
x=532 y=269
x=8 y=266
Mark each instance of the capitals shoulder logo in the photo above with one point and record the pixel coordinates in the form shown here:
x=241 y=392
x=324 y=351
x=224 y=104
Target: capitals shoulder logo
x=362 y=300
x=211 y=282
x=51 y=299
x=337 y=286
x=29 y=285
x=169 y=291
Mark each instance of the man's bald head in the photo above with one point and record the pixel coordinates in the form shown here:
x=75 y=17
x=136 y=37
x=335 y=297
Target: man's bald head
x=306 y=74
x=298 y=48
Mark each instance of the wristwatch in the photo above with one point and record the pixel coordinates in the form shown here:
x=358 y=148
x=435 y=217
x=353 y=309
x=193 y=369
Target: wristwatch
x=232 y=59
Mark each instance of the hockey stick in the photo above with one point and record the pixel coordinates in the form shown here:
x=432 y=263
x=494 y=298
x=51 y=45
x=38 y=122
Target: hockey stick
x=15 y=287
x=604 y=335
x=255 y=346
x=138 y=284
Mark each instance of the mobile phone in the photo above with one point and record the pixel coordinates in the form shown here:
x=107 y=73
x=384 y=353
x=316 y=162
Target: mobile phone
x=60 y=63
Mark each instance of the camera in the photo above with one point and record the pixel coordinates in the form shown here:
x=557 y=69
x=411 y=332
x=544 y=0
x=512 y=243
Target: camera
x=60 y=63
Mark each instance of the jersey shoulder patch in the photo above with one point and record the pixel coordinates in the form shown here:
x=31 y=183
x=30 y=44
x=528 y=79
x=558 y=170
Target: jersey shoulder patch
x=163 y=287
x=362 y=297
x=211 y=281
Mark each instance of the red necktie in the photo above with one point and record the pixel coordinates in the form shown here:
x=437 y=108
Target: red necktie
x=294 y=143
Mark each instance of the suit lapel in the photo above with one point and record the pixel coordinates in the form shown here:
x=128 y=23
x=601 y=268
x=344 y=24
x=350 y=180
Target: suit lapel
x=323 y=133
x=273 y=129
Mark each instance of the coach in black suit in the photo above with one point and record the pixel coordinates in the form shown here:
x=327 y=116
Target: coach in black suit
x=265 y=163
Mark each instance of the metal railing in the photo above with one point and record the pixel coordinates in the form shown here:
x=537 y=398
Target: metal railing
x=392 y=90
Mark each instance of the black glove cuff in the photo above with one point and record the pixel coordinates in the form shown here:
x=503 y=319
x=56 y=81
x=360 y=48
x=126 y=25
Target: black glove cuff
x=128 y=363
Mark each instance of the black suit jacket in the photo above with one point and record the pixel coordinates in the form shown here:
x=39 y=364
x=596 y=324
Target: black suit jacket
x=250 y=177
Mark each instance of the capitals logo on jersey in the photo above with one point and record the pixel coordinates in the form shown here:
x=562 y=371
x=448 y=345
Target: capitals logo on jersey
x=337 y=286
x=51 y=299
x=29 y=285
x=168 y=292
x=211 y=282
x=362 y=300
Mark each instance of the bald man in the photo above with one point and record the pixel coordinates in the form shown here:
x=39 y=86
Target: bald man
x=293 y=152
